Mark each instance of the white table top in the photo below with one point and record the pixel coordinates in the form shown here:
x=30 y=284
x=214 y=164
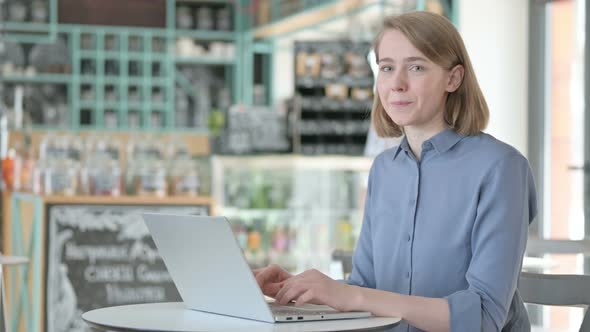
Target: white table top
x=174 y=317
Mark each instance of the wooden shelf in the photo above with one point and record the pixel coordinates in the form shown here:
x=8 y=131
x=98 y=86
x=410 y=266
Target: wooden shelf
x=127 y=200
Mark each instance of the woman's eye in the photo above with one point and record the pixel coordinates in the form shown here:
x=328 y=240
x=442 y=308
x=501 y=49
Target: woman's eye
x=416 y=68
x=386 y=68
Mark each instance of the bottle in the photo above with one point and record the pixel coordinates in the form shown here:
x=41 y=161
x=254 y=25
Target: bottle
x=131 y=175
x=106 y=178
x=17 y=11
x=37 y=178
x=204 y=18
x=279 y=240
x=8 y=169
x=26 y=171
x=184 y=178
x=259 y=198
x=344 y=239
x=39 y=11
x=61 y=178
x=223 y=19
x=184 y=18
x=151 y=180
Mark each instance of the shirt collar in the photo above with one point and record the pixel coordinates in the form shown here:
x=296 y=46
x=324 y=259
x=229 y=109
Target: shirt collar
x=441 y=142
x=403 y=145
x=445 y=140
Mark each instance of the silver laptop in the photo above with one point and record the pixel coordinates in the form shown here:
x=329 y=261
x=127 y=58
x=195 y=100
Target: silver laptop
x=211 y=274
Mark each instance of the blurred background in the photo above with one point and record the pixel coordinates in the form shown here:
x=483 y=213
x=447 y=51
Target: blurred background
x=257 y=110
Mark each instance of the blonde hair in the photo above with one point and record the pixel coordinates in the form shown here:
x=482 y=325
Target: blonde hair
x=466 y=110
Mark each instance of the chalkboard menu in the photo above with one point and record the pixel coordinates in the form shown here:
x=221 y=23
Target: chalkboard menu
x=100 y=256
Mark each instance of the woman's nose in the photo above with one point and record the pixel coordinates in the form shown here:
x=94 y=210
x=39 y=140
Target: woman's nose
x=399 y=82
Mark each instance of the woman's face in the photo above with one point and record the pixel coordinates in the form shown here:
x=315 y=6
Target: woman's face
x=412 y=89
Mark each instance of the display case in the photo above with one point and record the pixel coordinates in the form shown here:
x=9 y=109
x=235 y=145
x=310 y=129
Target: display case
x=292 y=210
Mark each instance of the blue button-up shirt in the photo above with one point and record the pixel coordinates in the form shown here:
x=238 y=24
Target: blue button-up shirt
x=451 y=225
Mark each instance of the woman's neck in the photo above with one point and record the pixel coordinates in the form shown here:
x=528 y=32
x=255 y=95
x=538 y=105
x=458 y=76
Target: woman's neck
x=417 y=135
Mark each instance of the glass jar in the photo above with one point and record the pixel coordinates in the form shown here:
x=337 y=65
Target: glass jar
x=184 y=178
x=106 y=179
x=60 y=178
x=151 y=180
x=73 y=148
x=144 y=148
x=184 y=17
x=204 y=18
x=47 y=147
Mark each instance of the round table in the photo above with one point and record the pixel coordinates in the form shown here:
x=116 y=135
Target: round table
x=175 y=317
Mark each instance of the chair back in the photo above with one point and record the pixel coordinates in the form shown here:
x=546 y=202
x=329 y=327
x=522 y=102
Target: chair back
x=345 y=258
x=556 y=289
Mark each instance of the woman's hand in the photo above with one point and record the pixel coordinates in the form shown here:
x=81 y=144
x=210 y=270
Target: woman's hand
x=271 y=278
x=315 y=287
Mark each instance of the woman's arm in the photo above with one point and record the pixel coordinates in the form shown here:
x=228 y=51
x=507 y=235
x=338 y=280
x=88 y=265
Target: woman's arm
x=312 y=286
x=429 y=314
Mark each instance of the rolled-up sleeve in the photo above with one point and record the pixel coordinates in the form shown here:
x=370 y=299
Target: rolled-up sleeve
x=506 y=206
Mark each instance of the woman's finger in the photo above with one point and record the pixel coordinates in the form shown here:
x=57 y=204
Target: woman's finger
x=306 y=297
x=291 y=293
x=264 y=276
x=271 y=289
x=285 y=286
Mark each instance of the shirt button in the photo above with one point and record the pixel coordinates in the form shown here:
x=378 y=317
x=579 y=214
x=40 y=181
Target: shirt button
x=412 y=201
x=408 y=275
x=409 y=238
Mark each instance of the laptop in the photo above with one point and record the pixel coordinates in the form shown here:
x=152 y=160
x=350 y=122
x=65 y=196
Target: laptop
x=212 y=275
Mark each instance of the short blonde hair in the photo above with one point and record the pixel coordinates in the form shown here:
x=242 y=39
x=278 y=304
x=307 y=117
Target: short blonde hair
x=466 y=110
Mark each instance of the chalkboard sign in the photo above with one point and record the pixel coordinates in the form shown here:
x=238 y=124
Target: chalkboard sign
x=100 y=256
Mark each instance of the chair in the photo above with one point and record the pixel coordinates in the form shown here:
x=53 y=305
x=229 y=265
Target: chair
x=557 y=289
x=345 y=258
x=535 y=288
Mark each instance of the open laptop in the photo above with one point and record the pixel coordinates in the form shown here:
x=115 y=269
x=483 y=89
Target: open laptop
x=212 y=275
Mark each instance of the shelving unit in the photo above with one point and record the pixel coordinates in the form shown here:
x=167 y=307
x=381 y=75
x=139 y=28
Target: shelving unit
x=32 y=32
x=126 y=78
x=334 y=95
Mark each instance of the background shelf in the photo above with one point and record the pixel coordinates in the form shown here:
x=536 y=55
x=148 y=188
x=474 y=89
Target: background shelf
x=139 y=66
x=205 y=60
x=207 y=34
x=36 y=78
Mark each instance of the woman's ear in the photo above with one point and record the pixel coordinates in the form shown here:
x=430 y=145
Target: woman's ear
x=455 y=78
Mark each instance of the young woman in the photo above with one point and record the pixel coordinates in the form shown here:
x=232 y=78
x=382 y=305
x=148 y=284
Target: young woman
x=447 y=211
